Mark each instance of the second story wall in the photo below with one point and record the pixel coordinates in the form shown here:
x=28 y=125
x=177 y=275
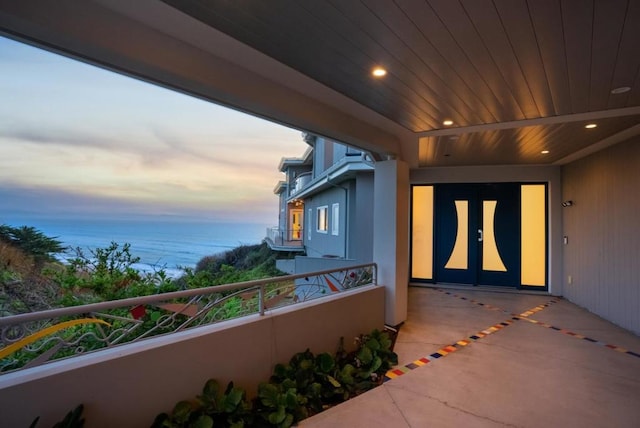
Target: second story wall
x=349 y=221
x=327 y=153
x=325 y=222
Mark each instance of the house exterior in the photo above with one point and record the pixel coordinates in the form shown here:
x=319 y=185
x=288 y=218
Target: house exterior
x=326 y=207
x=523 y=92
x=288 y=235
x=461 y=104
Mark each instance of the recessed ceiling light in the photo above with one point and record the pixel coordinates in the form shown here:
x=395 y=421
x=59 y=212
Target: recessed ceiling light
x=590 y=125
x=544 y=152
x=620 y=90
x=379 y=72
x=448 y=122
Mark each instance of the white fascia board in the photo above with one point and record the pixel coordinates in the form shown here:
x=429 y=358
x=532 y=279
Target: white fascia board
x=280 y=187
x=332 y=177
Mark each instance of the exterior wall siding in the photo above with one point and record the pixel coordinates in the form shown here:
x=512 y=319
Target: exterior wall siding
x=361 y=219
x=326 y=244
x=603 y=251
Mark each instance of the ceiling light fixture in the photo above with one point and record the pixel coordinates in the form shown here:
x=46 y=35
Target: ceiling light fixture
x=620 y=90
x=379 y=72
x=590 y=125
x=448 y=122
x=544 y=152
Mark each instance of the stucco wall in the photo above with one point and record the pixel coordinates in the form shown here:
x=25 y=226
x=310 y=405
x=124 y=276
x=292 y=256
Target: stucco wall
x=602 y=256
x=128 y=385
x=361 y=219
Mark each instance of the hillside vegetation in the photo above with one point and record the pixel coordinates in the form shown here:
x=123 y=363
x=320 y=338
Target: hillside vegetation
x=31 y=279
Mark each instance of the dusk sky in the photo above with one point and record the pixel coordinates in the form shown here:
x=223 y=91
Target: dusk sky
x=76 y=139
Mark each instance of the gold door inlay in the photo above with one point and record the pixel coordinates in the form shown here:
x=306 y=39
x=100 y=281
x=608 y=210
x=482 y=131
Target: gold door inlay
x=460 y=253
x=491 y=259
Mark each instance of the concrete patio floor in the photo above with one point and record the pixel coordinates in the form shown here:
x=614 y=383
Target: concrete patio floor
x=466 y=360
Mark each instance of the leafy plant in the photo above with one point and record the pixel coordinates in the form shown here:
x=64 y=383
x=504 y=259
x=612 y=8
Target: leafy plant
x=313 y=377
x=212 y=408
x=374 y=356
x=73 y=419
x=108 y=274
x=308 y=384
x=280 y=405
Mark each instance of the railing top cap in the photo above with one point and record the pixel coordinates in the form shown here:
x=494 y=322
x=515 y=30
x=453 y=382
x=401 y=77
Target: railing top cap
x=134 y=301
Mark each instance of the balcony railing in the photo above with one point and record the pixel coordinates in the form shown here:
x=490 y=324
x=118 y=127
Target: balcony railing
x=300 y=183
x=285 y=238
x=28 y=340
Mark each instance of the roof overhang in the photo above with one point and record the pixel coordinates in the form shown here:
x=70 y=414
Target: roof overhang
x=515 y=78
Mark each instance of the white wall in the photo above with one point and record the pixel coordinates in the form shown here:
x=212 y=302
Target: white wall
x=128 y=386
x=603 y=228
x=391 y=236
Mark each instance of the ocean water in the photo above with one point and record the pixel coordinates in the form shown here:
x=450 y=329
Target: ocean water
x=166 y=243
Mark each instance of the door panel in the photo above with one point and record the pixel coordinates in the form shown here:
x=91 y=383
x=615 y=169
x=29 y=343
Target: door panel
x=478 y=233
x=499 y=251
x=456 y=248
x=295 y=221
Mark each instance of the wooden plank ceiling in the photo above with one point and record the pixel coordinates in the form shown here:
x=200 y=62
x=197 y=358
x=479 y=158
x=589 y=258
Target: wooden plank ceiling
x=475 y=62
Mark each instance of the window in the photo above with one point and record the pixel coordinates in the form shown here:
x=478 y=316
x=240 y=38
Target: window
x=335 y=219
x=323 y=219
x=309 y=225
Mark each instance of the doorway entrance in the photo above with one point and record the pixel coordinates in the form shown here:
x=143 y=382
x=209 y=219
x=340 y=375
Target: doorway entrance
x=295 y=220
x=480 y=234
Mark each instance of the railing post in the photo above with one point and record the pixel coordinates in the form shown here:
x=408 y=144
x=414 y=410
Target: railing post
x=374 y=280
x=261 y=296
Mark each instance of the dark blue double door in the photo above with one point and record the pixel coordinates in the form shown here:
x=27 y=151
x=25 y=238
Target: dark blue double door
x=477 y=234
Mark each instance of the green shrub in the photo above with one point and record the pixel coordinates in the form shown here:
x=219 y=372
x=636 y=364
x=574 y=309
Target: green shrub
x=212 y=408
x=307 y=385
x=107 y=274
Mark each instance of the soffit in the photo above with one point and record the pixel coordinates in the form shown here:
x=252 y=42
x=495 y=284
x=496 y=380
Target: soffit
x=471 y=61
x=509 y=73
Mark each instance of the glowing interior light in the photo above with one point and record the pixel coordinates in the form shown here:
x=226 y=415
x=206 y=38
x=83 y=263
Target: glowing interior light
x=590 y=126
x=448 y=122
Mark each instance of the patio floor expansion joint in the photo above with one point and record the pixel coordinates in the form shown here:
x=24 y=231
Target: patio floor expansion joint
x=442 y=352
x=525 y=317
x=580 y=336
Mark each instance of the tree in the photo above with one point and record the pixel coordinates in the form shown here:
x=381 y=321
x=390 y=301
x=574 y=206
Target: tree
x=31 y=241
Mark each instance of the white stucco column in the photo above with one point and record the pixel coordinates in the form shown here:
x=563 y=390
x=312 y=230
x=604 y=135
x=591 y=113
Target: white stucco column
x=391 y=236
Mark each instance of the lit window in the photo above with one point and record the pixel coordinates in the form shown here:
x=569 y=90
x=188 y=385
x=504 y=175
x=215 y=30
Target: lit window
x=323 y=219
x=335 y=219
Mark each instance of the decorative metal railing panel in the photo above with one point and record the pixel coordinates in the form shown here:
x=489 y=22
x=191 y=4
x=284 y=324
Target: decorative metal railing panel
x=28 y=340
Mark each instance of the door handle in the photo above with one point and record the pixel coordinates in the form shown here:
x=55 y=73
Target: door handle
x=480 y=235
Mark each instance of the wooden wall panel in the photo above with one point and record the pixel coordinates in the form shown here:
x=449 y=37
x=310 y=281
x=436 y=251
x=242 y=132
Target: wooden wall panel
x=603 y=227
